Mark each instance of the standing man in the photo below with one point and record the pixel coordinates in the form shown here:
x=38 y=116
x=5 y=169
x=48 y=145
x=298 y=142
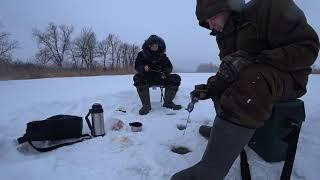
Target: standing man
x=154 y=69
x=266 y=51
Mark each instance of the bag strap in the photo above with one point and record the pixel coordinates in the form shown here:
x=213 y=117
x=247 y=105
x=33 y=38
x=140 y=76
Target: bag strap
x=83 y=137
x=292 y=140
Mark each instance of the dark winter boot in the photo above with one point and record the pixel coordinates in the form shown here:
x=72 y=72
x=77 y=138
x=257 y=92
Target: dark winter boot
x=205 y=131
x=144 y=95
x=225 y=144
x=169 y=95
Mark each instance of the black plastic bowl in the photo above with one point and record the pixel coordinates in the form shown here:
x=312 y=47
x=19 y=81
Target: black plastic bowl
x=180 y=150
x=136 y=126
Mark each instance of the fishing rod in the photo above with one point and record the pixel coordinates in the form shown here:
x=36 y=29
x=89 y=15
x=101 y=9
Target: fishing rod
x=190 y=108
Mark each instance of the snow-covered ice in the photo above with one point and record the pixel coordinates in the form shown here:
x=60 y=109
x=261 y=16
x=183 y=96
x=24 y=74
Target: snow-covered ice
x=123 y=154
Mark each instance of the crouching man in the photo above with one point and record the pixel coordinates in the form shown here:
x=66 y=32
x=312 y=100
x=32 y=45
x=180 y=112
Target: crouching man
x=154 y=69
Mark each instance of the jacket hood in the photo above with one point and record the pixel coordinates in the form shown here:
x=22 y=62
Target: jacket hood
x=154 y=39
x=208 y=8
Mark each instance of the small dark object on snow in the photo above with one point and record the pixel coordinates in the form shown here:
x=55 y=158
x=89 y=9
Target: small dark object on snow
x=181 y=127
x=136 y=126
x=120 y=110
x=180 y=150
x=171 y=113
x=205 y=131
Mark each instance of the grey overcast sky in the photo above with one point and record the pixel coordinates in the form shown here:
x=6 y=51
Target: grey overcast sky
x=133 y=20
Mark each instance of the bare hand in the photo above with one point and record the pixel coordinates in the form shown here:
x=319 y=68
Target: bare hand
x=146 y=68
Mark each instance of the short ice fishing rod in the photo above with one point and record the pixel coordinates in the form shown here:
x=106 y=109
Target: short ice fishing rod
x=190 y=108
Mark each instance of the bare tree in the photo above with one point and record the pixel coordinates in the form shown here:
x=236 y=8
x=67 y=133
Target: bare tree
x=119 y=56
x=133 y=52
x=75 y=58
x=103 y=49
x=55 y=40
x=113 y=41
x=43 y=57
x=125 y=54
x=7 y=46
x=85 y=48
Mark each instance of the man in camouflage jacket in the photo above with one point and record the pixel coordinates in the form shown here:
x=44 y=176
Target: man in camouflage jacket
x=266 y=51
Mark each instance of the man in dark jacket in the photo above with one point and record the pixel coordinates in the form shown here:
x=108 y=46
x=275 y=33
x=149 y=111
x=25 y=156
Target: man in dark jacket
x=154 y=68
x=266 y=51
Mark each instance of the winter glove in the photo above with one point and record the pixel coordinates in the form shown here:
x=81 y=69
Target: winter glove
x=216 y=86
x=233 y=64
x=163 y=75
x=199 y=93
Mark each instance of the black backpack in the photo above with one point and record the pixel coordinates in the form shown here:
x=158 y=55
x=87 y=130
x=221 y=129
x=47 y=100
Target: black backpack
x=59 y=127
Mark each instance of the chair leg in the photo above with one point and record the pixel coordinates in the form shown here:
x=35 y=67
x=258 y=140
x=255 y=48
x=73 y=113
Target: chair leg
x=161 y=89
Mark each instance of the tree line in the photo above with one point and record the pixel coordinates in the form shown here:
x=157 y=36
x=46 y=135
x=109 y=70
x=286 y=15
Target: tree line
x=7 y=46
x=207 y=68
x=57 y=46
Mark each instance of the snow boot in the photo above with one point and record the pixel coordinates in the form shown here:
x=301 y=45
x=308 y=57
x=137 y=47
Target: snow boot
x=225 y=144
x=205 y=131
x=144 y=95
x=169 y=95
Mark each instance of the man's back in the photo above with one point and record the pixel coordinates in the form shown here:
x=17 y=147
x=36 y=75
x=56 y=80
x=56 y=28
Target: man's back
x=277 y=32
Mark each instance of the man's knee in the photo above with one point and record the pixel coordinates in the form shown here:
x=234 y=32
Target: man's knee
x=173 y=80
x=248 y=101
x=139 y=80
